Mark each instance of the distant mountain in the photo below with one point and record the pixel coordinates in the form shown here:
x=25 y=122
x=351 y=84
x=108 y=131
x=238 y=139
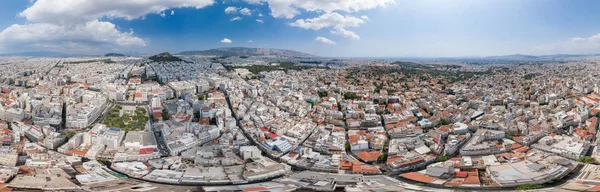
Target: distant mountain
x=512 y=57
x=409 y=64
x=166 y=56
x=114 y=55
x=519 y=57
x=244 y=51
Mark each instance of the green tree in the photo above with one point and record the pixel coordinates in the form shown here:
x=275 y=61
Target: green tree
x=442 y=158
x=382 y=158
x=70 y=134
x=586 y=159
x=165 y=114
x=351 y=96
x=444 y=122
x=197 y=115
x=323 y=93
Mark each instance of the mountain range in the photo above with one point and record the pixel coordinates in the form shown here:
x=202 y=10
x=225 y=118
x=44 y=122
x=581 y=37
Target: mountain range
x=114 y=55
x=518 y=57
x=245 y=51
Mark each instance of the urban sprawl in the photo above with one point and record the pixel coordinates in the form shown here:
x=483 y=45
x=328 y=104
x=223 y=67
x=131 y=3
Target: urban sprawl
x=284 y=123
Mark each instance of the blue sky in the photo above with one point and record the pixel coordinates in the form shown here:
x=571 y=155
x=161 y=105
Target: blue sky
x=347 y=28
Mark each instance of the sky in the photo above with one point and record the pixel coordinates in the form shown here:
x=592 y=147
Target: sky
x=332 y=28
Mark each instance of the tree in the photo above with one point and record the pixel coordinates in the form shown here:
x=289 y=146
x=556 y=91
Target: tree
x=165 y=114
x=197 y=115
x=442 y=158
x=586 y=159
x=70 y=134
x=351 y=96
x=323 y=93
x=382 y=158
x=443 y=122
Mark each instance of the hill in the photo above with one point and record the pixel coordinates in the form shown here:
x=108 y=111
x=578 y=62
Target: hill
x=408 y=64
x=512 y=57
x=244 y=51
x=114 y=55
x=166 y=56
x=519 y=57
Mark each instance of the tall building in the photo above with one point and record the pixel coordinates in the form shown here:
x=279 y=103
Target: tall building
x=250 y=152
x=105 y=136
x=156 y=102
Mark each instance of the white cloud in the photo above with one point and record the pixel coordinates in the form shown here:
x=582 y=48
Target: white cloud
x=325 y=40
x=250 y=41
x=246 y=11
x=576 y=45
x=260 y=21
x=172 y=12
x=345 y=33
x=337 y=22
x=364 y=17
x=290 y=8
x=231 y=10
x=66 y=12
x=227 y=41
x=236 y=19
x=328 y=20
x=73 y=25
x=92 y=33
x=260 y=14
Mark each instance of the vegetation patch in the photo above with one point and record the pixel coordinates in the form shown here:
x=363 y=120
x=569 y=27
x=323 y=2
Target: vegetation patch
x=129 y=121
x=442 y=158
x=90 y=61
x=283 y=66
x=586 y=159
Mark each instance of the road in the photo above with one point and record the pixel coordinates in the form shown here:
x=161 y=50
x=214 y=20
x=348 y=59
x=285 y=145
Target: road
x=105 y=113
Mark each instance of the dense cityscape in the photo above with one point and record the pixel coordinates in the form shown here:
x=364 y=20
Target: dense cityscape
x=299 y=95
x=265 y=121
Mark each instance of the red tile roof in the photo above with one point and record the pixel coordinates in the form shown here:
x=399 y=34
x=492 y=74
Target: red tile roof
x=594 y=188
x=157 y=115
x=144 y=151
x=353 y=139
x=358 y=167
x=461 y=174
x=418 y=177
x=272 y=135
x=368 y=156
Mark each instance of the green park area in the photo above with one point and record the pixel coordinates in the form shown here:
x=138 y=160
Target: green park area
x=129 y=121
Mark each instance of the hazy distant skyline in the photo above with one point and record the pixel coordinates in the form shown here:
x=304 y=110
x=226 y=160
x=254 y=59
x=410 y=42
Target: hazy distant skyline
x=338 y=28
